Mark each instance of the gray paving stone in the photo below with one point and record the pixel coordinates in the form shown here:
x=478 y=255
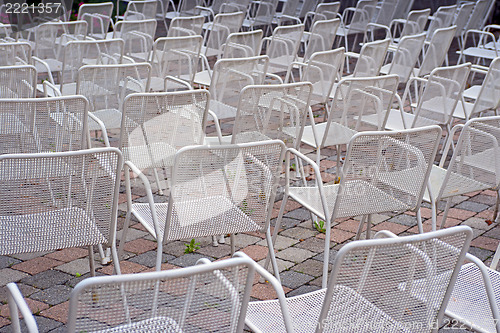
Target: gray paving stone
x=47 y=279
x=7 y=262
x=298 y=233
x=477 y=223
x=187 y=259
x=77 y=266
x=28 y=256
x=404 y=219
x=244 y=240
x=223 y=250
x=283 y=265
x=44 y=325
x=493 y=233
x=53 y=295
x=132 y=234
x=484 y=199
x=10 y=275
x=295 y=254
x=282 y=242
x=175 y=248
x=299 y=214
x=331 y=256
x=472 y=206
x=304 y=289
x=376 y=218
x=482 y=254
x=148 y=259
x=312 y=244
x=286 y=222
x=293 y=279
x=310 y=266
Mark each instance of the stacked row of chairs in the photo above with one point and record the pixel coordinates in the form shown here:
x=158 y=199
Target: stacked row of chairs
x=217 y=185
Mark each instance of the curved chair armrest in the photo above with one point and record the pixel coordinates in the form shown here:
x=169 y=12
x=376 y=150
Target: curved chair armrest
x=289 y=75
x=176 y=80
x=49 y=86
x=293 y=18
x=388 y=33
x=206 y=9
x=104 y=133
x=479 y=69
x=384 y=234
x=127 y=60
x=217 y=125
x=449 y=143
x=44 y=64
x=275 y=77
x=16 y=304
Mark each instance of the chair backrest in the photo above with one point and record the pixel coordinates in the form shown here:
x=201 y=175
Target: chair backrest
x=416 y=22
x=356 y=98
x=106 y=86
x=386 y=171
x=288 y=11
x=406 y=56
x=475 y=163
x=478 y=14
x=156 y=125
x=440 y=95
x=321 y=37
x=489 y=95
x=323 y=68
x=442 y=18
x=308 y=6
x=229 y=77
x=141 y=10
x=394 y=284
x=207 y=296
x=273 y=111
x=223 y=25
x=283 y=47
x=210 y=182
x=176 y=56
x=188 y=7
x=97 y=16
x=138 y=35
x=186 y=26
x=264 y=13
x=402 y=9
x=437 y=50
x=326 y=11
x=15 y=53
x=462 y=17
x=371 y=58
x=243 y=44
x=42 y=125
x=384 y=12
x=47 y=195
x=362 y=16
x=18 y=81
x=51 y=36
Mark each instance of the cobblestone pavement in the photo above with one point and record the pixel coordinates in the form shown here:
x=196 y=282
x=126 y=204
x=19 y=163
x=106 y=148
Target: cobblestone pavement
x=46 y=279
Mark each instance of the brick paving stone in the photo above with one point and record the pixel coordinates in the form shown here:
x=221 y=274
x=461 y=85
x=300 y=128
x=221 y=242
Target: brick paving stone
x=223 y=250
x=301 y=214
x=425 y=212
x=338 y=235
x=282 y=242
x=312 y=244
x=78 y=266
x=175 y=248
x=243 y=240
x=293 y=279
x=4 y=322
x=391 y=226
x=287 y=223
x=486 y=214
x=485 y=243
x=36 y=265
x=47 y=279
x=34 y=305
x=67 y=255
x=331 y=256
x=404 y=219
x=58 y=312
x=10 y=275
x=8 y=261
x=304 y=289
x=283 y=265
x=295 y=254
x=493 y=233
x=53 y=295
x=126 y=267
x=148 y=259
x=139 y=246
x=460 y=214
x=483 y=199
x=472 y=206
x=264 y=291
x=28 y=256
x=310 y=266
x=132 y=233
x=186 y=260
x=256 y=252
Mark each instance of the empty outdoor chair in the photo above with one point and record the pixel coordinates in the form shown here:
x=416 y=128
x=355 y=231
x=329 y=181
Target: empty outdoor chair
x=398 y=284
x=480 y=15
x=186 y=26
x=414 y=24
x=403 y=8
x=287 y=14
x=442 y=18
x=382 y=172
x=138 y=36
x=214 y=191
x=355 y=21
x=139 y=10
x=384 y=12
x=243 y=44
x=98 y=18
x=219 y=30
x=462 y=17
x=282 y=47
x=179 y=300
x=18 y=81
x=224 y=6
x=261 y=14
x=479 y=45
x=324 y=11
x=52 y=201
x=474 y=301
x=474 y=165
x=156 y=125
x=183 y=8
x=320 y=38
x=15 y=53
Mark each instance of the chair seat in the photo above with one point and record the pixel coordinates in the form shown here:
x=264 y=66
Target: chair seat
x=348 y=309
x=219 y=217
x=337 y=134
x=112 y=119
x=151 y=325
x=472 y=92
x=222 y=110
x=480 y=52
x=469 y=301
x=461 y=112
x=162 y=155
x=48 y=231
x=203 y=78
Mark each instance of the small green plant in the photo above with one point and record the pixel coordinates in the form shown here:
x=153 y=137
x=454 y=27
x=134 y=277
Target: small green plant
x=192 y=246
x=78 y=274
x=320 y=226
x=293 y=167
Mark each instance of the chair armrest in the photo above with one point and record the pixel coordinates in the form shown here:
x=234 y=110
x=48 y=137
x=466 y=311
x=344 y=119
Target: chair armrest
x=104 y=133
x=293 y=18
x=49 y=86
x=176 y=80
x=289 y=75
x=18 y=304
x=388 y=33
x=217 y=125
x=448 y=143
x=384 y=234
x=276 y=77
x=44 y=64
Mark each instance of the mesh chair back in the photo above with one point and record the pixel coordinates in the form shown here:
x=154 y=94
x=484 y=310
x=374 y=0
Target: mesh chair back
x=97 y=16
x=321 y=37
x=156 y=125
x=38 y=125
x=51 y=36
x=386 y=171
x=442 y=18
x=362 y=16
x=397 y=284
x=289 y=9
x=384 y=13
x=53 y=201
x=186 y=26
x=229 y=77
x=437 y=50
x=475 y=162
x=276 y=111
x=308 y=6
x=138 y=35
x=441 y=95
x=477 y=18
x=214 y=187
x=402 y=9
x=406 y=56
x=489 y=95
x=243 y=44
x=15 y=54
x=141 y=10
x=284 y=45
x=208 y=297
x=371 y=58
x=325 y=11
x=177 y=57
x=415 y=22
x=462 y=17
x=188 y=7
x=17 y=81
x=264 y=13
x=223 y=25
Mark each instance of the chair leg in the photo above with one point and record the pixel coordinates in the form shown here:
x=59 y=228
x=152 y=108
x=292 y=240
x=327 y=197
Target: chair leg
x=123 y=239
x=270 y=247
x=434 y=215
x=326 y=255
x=445 y=213
x=360 y=228
x=91 y=260
x=157 y=181
x=277 y=226
x=231 y=237
x=419 y=222
x=495 y=213
x=116 y=260
x=369 y=226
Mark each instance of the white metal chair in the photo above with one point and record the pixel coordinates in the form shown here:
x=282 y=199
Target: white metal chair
x=98 y=18
x=260 y=14
x=435 y=53
x=138 y=36
x=474 y=165
x=219 y=30
x=320 y=38
x=18 y=81
x=480 y=45
x=371 y=58
x=324 y=11
x=414 y=24
x=397 y=284
x=442 y=18
x=177 y=300
x=15 y=53
x=60 y=200
x=282 y=47
x=462 y=17
x=382 y=172
x=474 y=300
x=186 y=26
x=214 y=191
x=243 y=44
x=139 y=10
x=183 y=8
x=355 y=21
